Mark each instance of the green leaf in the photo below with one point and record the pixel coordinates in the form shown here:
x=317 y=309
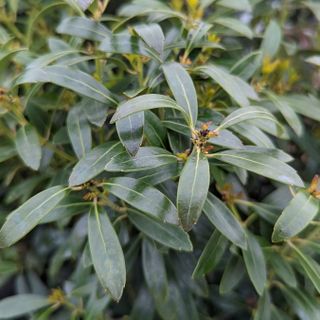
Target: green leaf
x=296 y=216
x=22 y=220
x=94 y=162
x=95 y=111
x=235 y=25
x=106 y=253
x=199 y=30
x=244 y=114
x=130 y=132
x=226 y=139
x=154 y=271
x=182 y=87
x=145 y=102
x=211 y=254
x=223 y=219
x=241 y=5
x=75 y=80
x=84 y=28
x=314 y=7
x=255 y=264
x=271 y=40
x=263 y=311
x=262 y=164
x=168 y=235
x=192 y=189
x=28 y=146
x=146 y=158
x=152 y=35
x=310 y=266
x=239 y=90
x=154 y=131
x=143 y=197
x=22 y=304
x=232 y=274
x=79 y=132
x=7 y=151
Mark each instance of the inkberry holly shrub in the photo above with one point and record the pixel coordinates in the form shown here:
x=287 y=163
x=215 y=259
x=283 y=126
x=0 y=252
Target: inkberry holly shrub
x=159 y=159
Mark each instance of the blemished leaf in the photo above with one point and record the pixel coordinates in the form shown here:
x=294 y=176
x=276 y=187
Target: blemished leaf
x=262 y=164
x=152 y=35
x=271 y=40
x=79 y=132
x=66 y=77
x=154 y=270
x=255 y=264
x=223 y=219
x=28 y=146
x=168 y=235
x=263 y=311
x=192 y=189
x=143 y=197
x=244 y=114
x=232 y=275
x=310 y=266
x=22 y=220
x=296 y=216
x=130 y=131
x=84 y=28
x=145 y=102
x=235 y=25
x=106 y=253
x=182 y=87
x=22 y=304
x=237 y=88
x=211 y=254
x=146 y=158
x=94 y=162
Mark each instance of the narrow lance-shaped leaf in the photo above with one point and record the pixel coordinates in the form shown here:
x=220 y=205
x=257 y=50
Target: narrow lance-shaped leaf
x=255 y=263
x=211 y=254
x=28 y=146
x=79 y=132
x=143 y=197
x=106 y=253
x=75 y=80
x=130 y=131
x=182 y=88
x=154 y=270
x=244 y=114
x=22 y=220
x=84 y=28
x=262 y=164
x=223 y=219
x=271 y=40
x=296 y=216
x=146 y=158
x=146 y=102
x=310 y=266
x=193 y=188
x=94 y=162
x=168 y=235
x=263 y=311
x=236 y=25
x=22 y=304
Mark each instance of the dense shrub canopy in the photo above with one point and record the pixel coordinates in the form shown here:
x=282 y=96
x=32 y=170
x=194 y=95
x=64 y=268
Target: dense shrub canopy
x=159 y=159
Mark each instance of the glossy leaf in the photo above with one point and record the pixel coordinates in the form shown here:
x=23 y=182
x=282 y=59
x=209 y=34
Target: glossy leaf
x=145 y=102
x=94 y=162
x=143 y=197
x=168 y=235
x=223 y=219
x=255 y=264
x=192 y=189
x=79 y=132
x=154 y=131
x=28 y=146
x=262 y=164
x=182 y=87
x=106 y=253
x=146 y=158
x=296 y=216
x=22 y=304
x=22 y=220
x=130 y=131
